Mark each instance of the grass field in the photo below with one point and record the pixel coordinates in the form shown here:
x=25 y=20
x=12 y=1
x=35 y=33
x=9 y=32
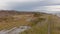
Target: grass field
x=38 y=22
x=42 y=28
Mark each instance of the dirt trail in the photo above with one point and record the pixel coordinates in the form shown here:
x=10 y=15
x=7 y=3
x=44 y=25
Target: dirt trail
x=15 y=30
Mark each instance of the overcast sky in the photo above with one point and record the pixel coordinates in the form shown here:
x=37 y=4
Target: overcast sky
x=41 y=5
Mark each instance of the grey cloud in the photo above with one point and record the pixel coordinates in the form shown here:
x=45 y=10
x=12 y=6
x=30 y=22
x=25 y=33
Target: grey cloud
x=23 y=6
x=29 y=5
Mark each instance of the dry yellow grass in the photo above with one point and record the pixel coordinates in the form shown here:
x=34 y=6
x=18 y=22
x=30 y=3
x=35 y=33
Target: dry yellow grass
x=9 y=22
x=54 y=26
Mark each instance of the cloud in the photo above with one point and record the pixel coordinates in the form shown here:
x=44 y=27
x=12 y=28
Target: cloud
x=53 y=1
x=23 y=5
x=17 y=4
x=49 y=9
x=3 y=4
x=43 y=5
x=53 y=8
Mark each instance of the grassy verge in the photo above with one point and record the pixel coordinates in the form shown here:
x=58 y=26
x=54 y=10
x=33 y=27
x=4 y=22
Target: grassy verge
x=36 y=30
